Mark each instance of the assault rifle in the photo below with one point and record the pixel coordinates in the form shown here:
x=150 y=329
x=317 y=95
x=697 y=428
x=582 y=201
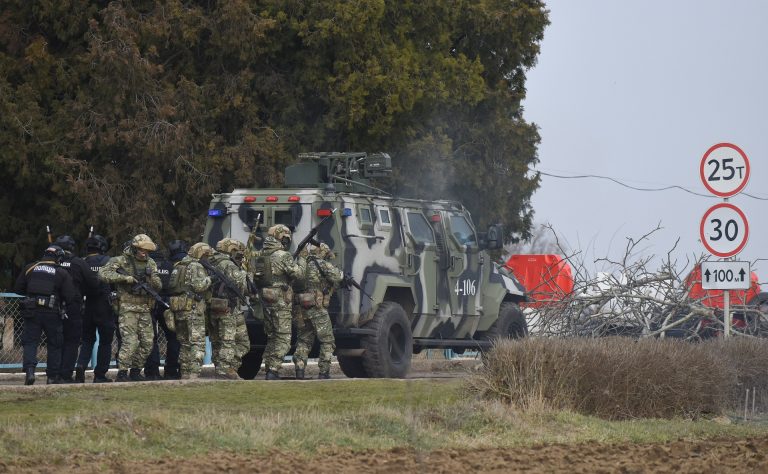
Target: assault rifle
x=140 y=285
x=229 y=285
x=349 y=281
x=310 y=238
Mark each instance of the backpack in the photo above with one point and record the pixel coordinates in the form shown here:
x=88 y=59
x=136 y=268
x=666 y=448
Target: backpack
x=177 y=278
x=261 y=269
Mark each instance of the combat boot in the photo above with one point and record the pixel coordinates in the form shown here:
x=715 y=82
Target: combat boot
x=299 y=374
x=66 y=378
x=136 y=376
x=30 y=377
x=79 y=374
x=101 y=379
x=122 y=376
x=55 y=380
x=324 y=375
x=271 y=375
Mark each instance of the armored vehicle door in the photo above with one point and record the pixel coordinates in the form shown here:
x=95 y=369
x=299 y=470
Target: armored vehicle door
x=420 y=261
x=464 y=269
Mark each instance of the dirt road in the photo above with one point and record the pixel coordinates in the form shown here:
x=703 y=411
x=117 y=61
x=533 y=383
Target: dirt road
x=721 y=456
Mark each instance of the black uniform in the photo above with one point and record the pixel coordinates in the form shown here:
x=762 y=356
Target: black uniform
x=46 y=286
x=152 y=366
x=86 y=283
x=98 y=316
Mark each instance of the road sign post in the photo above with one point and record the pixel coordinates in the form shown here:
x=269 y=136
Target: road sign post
x=724 y=230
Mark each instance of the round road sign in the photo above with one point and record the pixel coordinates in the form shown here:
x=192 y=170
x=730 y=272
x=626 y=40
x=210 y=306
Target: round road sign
x=724 y=230
x=724 y=169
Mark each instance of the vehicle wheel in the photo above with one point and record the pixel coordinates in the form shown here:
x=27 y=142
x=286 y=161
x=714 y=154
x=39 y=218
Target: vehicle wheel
x=511 y=323
x=352 y=367
x=250 y=364
x=388 y=352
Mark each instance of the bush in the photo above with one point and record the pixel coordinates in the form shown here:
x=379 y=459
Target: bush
x=620 y=378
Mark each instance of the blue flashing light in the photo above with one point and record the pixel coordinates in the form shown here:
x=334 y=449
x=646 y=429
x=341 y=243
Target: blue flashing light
x=346 y=212
x=215 y=212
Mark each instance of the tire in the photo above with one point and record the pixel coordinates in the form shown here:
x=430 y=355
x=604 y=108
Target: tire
x=250 y=364
x=510 y=324
x=388 y=352
x=352 y=367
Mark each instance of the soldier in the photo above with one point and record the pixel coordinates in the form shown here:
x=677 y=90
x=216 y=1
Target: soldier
x=277 y=297
x=86 y=284
x=312 y=318
x=226 y=308
x=177 y=250
x=188 y=287
x=46 y=286
x=135 y=304
x=98 y=316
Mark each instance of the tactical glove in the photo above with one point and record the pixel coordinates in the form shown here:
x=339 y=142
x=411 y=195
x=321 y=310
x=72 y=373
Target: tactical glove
x=130 y=280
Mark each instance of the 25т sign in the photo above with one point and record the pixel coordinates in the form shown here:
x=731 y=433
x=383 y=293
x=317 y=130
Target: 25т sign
x=724 y=230
x=724 y=170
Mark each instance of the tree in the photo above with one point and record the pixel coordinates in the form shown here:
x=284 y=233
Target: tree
x=128 y=115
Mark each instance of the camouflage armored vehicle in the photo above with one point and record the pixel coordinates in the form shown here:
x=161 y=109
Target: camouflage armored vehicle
x=426 y=280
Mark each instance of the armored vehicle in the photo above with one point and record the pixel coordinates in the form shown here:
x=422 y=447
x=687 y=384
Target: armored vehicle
x=426 y=279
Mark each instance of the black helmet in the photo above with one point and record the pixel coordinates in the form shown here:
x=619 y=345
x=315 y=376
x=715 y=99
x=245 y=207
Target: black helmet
x=66 y=242
x=97 y=242
x=176 y=247
x=54 y=252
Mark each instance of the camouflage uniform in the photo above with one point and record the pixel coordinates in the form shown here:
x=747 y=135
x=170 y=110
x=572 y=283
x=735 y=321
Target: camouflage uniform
x=222 y=322
x=135 y=306
x=188 y=287
x=277 y=298
x=311 y=315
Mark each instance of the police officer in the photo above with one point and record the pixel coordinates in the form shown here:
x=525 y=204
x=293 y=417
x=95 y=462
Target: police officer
x=189 y=285
x=98 y=316
x=177 y=250
x=135 y=304
x=277 y=297
x=86 y=284
x=311 y=317
x=46 y=286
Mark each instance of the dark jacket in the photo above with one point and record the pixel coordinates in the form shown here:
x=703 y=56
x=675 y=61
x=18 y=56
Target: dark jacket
x=45 y=279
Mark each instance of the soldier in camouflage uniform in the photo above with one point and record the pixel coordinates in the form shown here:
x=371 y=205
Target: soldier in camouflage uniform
x=311 y=315
x=189 y=288
x=277 y=298
x=135 y=305
x=226 y=308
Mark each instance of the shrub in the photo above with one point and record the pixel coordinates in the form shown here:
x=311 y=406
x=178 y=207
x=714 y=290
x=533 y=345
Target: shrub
x=620 y=378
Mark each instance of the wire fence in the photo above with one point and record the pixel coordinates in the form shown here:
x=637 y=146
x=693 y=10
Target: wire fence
x=12 y=324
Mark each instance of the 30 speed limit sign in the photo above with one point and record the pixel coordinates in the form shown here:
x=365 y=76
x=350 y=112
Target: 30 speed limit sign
x=724 y=170
x=724 y=230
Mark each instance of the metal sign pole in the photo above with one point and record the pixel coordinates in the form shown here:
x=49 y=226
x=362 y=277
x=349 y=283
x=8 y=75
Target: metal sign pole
x=727 y=316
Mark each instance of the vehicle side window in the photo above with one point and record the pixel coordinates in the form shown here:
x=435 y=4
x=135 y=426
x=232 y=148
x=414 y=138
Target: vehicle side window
x=420 y=228
x=463 y=232
x=384 y=217
x=365 y=215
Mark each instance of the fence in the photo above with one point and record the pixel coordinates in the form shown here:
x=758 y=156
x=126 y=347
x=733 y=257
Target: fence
x=11 y=325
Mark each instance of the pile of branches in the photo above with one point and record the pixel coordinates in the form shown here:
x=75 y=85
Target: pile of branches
x=635 y=296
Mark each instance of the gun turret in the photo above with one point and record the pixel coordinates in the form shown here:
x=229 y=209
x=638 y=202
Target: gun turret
x=349 y=171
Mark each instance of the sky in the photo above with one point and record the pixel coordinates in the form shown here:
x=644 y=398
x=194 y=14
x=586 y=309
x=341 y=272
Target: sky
x=638 y=91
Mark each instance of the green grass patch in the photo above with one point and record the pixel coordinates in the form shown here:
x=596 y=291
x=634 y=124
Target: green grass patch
x=160 y=420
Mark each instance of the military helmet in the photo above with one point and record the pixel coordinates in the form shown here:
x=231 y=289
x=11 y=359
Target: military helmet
x=66 y=242
x=278 y=231
x=230 y=246
x=97 y=242
x=55 y=252
x=177 y=246
x=143 y=242
x=200 y=250
x=323 y=251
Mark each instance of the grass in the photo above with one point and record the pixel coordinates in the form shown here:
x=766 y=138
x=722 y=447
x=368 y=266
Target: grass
x=158 y=420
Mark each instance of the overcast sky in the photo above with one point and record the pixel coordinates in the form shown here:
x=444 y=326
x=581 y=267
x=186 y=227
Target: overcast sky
x=638 y=91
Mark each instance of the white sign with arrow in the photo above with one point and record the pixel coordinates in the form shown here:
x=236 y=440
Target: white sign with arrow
x=725 y=275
